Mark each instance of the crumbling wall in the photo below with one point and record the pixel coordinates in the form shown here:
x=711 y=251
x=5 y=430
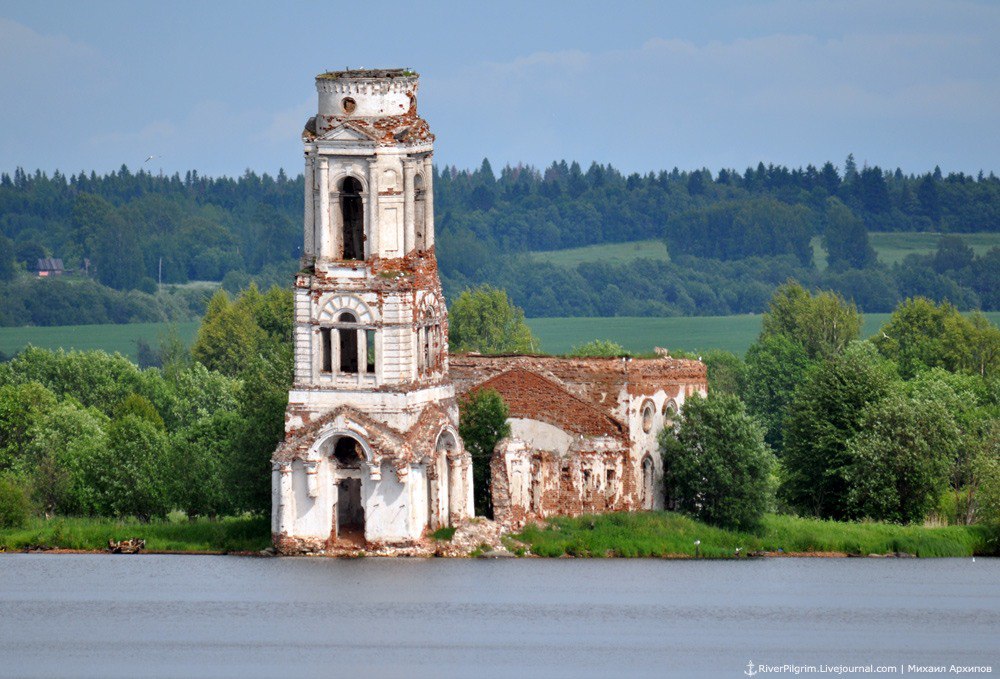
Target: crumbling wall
x=611 y=411
x=530 y=485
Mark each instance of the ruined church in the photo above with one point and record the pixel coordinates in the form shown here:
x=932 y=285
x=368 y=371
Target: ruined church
x=371 y=454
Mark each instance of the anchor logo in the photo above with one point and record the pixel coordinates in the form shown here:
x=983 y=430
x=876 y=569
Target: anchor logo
x=750 y=671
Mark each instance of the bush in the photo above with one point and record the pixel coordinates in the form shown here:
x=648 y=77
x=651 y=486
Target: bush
x=598 y=348
x=482 y=423
x=14 y=504
x=717 y=466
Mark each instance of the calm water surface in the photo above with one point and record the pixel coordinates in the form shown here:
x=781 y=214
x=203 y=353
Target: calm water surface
x=214 y=616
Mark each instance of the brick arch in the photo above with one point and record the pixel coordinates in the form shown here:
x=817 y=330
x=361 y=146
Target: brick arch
x=337 y=304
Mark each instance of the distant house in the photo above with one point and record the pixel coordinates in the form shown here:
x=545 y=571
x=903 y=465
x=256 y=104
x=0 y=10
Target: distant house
x=49 y=266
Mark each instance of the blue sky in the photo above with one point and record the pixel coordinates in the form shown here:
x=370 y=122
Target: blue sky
x=224 y=86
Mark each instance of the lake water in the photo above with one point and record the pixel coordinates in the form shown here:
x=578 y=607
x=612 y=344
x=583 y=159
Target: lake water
x=215 y=616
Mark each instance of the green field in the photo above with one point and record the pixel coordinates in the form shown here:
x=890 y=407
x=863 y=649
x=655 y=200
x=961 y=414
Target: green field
x=610 y=252
x=557 y=335
x=110 y=338
x=690 y=333
x=891 y=247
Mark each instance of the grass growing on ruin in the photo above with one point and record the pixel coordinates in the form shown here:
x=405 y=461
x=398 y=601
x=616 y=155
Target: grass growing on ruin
x=231 y=534
x=444 y=534
x=659 y=534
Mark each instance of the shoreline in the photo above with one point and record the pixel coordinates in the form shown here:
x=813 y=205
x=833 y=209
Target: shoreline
x=362 y=554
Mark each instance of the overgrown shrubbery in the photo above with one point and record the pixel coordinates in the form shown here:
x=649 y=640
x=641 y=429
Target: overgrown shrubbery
x=93 y=434
x=878 y=430
x=15 y=507
x=716 y=466
x=482 y=423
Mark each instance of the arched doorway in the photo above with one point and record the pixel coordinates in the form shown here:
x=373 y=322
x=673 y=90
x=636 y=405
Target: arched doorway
x=352 y=210
x=346 y=458
x=647 y=483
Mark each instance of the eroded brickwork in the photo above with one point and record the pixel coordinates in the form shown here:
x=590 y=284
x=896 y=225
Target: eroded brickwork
x=583 y=431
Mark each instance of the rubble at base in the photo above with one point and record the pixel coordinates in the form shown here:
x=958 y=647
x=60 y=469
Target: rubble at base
x=472 y=536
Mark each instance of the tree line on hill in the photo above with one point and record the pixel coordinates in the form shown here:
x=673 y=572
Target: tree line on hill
x=733 y=237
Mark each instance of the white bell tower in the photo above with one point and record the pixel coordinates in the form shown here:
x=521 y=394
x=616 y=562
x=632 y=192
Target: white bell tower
x=371 y=391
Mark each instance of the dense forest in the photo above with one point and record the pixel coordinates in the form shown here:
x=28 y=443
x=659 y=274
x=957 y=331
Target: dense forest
x=129 y=241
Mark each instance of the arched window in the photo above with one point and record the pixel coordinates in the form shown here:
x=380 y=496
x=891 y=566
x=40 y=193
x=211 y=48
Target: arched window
x=352 y=213
x=429 y=338
x=648 y=410
x=670 y=413
x=348 y=333
x=347 y=338
x=647 y=483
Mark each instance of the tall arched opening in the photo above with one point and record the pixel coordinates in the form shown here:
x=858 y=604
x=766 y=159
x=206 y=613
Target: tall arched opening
x=348 y=343
x=352 y=210
x=647 y=482
x=346 y=462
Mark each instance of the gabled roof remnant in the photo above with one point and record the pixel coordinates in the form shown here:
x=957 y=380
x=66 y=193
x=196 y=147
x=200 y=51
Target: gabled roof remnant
x=531 y=396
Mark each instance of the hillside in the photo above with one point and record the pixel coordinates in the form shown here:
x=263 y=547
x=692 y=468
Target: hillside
x=563 y=242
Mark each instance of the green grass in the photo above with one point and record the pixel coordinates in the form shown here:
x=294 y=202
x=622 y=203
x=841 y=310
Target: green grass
x=558 y=335
x=649 y=534
x=641 y=334
x=891 y=247
x=689 y=333
x=608 y=252
x=444 y=534
x=110 y=338
x=177 y=535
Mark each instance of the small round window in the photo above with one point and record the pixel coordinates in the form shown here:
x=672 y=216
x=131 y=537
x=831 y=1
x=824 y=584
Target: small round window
x=349 y=105
x=647 y=416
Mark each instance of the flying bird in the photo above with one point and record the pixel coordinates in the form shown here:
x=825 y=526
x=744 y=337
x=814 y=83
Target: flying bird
x=149 y=158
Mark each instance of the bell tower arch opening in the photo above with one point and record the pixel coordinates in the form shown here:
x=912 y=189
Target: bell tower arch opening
x=352 y=212
x=346 y=458
x=348 y=342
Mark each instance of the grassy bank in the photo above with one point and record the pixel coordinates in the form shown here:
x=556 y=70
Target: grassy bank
x=224 y=535
x=670 y=534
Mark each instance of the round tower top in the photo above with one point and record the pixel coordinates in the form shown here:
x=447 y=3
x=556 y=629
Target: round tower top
x=367 y=93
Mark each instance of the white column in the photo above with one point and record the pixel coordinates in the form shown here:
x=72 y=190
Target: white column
x=456 y=496
x=286 y=509
x=310 y=209
x=373 y=241
x=470 y=500
x=409 y=209
x=428 y=226
x=323 y=234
